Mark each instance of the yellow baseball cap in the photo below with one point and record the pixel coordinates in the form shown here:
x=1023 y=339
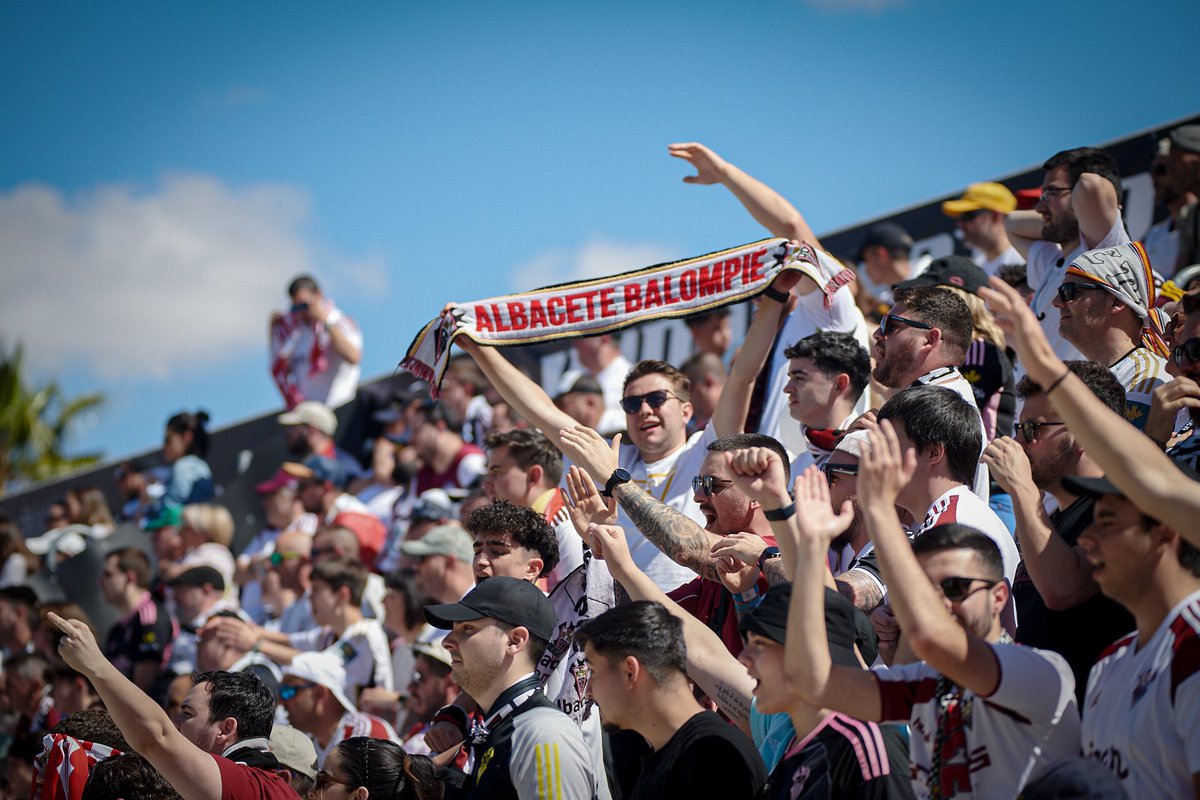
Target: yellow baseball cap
x=989 y=196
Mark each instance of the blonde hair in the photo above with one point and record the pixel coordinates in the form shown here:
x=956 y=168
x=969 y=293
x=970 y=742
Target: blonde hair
x=211 y=521
x=983 y=323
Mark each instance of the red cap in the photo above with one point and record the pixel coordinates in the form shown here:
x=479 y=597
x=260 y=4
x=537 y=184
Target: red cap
x=280 y=480
x=1028 y=198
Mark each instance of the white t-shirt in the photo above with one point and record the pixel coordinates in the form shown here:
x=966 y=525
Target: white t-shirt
x=992 y=745
x=992 y=265
x=1140 y=372
x=668 y=480
x=338 y=382
x=1044 y=273
x=1141 y=713
x=1162 y=246
x=961 y=505
x=883 y=292
x=612 y=383
x=363 y=648
x=809 y=316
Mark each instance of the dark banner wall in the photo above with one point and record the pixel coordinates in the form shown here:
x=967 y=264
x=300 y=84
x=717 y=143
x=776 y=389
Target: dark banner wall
x=245 y=453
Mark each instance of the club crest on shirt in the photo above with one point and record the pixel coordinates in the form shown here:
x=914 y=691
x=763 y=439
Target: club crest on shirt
x=579 y=673
x=483 y=762
x=1143 y=685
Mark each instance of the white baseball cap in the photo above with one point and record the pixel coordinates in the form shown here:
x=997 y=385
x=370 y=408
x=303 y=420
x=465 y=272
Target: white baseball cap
x=324 y=669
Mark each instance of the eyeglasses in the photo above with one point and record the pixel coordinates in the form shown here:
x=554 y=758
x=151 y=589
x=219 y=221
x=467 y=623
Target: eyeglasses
x=830 y=469
x=325 y=779
x=1189 y=350
x=891 y=319
x=279 y=557
x=633 y=403
x=703 y=485
x=1050 y=191
x=1029 y=428
x=956 y=589
x=1069 y=291
x=967 y=216
x=289 y=690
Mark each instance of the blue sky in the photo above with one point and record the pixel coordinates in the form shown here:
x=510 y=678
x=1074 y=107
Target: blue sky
x=168 y=167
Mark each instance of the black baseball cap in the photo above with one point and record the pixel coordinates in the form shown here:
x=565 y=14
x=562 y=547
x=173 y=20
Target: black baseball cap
x=958 y=271
x=769 y=619
x=509 y=600
x=198 y=576
x=888 y=235
x=1095 y=487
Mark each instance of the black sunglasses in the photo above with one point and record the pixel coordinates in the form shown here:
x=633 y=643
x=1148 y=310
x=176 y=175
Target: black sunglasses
x=830 y=469
x=1069 y=291
x=703 y=485
x=1029 y=428
x=956 y=589
x=890 y=320
x=1189 y=350
x=633 y=403
x=326 y=779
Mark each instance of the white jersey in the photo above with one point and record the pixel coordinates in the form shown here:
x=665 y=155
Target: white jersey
x=950 y=378
x=990 y=746
x=363 y=648
x=1140 y=372
x=962 y=506
x=668 y=480
x=338 y=382
x=1044 y=273
x=992 y=265
x=1141 y=713
x=354 y=723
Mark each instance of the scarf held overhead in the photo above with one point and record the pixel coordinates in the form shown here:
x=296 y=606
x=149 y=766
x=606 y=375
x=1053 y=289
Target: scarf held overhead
x=604 y=305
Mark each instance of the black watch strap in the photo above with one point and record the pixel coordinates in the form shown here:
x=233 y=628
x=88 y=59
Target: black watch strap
x=618 y=477
x=780 y=514
x=767 y=555
x=775 y=294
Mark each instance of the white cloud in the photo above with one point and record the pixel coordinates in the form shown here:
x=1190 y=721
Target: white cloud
x=130 y=284
x=856 y=6
x=593 y=259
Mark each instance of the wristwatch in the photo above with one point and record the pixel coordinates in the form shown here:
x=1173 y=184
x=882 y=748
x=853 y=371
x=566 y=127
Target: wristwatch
x=618 y=477
x=767 y=555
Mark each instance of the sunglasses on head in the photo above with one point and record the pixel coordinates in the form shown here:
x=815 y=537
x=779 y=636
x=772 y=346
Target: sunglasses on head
x=889 y=321
x=830 y=469
x=703 y=485
x=1189 y=350
x=278 y=557
x=287 y=691
x=955 y=589
x=1069 y=291
x=633 y=403
x=1029 y=428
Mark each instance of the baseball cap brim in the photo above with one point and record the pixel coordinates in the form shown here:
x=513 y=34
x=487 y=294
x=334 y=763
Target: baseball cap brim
x=1089 y=487
x=954 y=208
x=297 y=470
x=444 y=615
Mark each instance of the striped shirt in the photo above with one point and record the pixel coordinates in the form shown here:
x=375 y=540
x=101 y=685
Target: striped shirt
x=1140 y=372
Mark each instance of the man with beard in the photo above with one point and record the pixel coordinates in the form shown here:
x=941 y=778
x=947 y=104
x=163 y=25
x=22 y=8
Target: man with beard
x=1079 y=210
x=1059 y=605
x=308 y=430
x=1167 y=422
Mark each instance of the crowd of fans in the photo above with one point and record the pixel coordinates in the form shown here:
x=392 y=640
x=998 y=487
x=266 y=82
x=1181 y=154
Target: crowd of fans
x=931 y=536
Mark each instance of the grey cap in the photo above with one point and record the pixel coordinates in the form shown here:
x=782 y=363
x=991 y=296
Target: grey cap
x=444 y=540
x=1186 y=138
x=294 y=750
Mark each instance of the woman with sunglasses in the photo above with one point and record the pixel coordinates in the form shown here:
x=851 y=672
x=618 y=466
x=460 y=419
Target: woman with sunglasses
x=375 y=769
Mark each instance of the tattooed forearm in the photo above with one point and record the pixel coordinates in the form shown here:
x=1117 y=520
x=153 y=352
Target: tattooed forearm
x=858 y=587
x=681 y=539
x=774 y=569
x=735 y=704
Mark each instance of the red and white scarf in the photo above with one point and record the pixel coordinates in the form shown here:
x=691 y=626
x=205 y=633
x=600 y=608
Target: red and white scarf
x=62 y=769
x=604 y=305
x=286 y=335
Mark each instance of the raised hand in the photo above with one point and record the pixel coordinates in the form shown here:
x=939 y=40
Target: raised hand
x=586 y=505
x=709 y=166
x=588 y=449
x=736 y=575
x=759 y=474
x=745 y=547
x=608 y=543
x=78 y=646
x=815 y=517
x=885 y=469
x=1022 y=330
x=1008 y=464
x=1166 y=402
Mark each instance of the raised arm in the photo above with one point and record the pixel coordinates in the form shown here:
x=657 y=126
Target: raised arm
x=709 y=662
x=677 y=536
x=766 y=205
x=149 y=731
x=1096 y=206
x=1133 y=462
x=1060 y=573
x=807 y=662
x=934 y=635
x=1023 y=229
x=518 y=389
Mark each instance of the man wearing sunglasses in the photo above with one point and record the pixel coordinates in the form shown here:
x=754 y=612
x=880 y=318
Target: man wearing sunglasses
x=659 y=455
x=1181 y=395
x=1059 y=605
x=1079 y=209
x=1107 y=310
x=980 y=215
x=984 y=714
